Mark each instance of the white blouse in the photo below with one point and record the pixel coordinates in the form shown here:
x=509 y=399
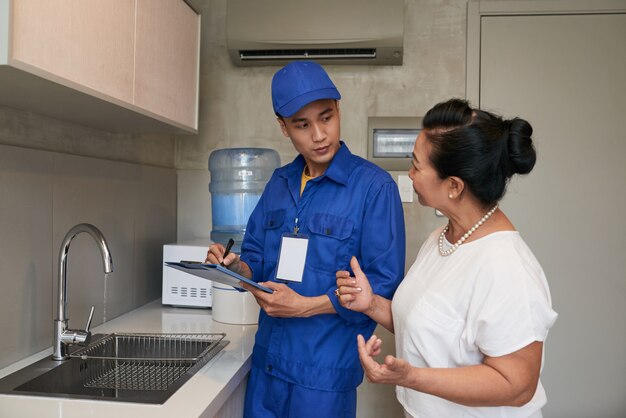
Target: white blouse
x=488 y=297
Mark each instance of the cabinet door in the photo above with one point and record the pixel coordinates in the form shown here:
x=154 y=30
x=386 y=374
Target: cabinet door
x=41 y=33
x=166 y=60
x=88 y=42
x=102 y=46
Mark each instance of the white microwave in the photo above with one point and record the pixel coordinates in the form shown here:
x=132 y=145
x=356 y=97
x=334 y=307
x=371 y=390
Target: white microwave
x=180 y=288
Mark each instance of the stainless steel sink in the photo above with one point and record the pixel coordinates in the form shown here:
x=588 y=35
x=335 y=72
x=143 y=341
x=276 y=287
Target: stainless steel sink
x=146 y=368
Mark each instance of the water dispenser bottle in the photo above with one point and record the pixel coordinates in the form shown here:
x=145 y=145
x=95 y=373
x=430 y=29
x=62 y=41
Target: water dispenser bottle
x=238 y=177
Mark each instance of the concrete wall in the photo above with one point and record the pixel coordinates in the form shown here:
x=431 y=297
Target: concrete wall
x=45 y=190
x=29 y=130
x=236 y=111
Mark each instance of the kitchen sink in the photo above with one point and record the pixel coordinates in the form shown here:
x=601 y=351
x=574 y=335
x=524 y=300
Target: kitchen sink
x=145 y=368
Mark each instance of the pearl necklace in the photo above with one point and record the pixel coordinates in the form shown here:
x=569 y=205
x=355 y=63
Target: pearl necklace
x=456 y=245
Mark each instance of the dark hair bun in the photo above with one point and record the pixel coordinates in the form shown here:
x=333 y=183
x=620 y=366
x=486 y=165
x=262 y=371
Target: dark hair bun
x=479 y=147
x=522 y=155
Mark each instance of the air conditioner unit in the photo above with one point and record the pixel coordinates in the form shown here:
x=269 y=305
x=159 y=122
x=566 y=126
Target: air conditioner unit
x=274 y=32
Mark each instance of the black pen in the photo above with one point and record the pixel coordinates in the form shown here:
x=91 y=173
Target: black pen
x=229 y=245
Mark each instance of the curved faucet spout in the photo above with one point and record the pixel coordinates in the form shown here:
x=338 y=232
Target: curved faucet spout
x=63 y=336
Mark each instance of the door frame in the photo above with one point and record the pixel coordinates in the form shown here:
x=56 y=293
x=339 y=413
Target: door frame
x=476 y=9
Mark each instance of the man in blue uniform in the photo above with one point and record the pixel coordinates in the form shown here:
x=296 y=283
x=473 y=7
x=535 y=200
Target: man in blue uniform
x=314 y=215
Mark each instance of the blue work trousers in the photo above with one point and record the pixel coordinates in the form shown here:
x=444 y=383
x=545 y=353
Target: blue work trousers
x=270 y=397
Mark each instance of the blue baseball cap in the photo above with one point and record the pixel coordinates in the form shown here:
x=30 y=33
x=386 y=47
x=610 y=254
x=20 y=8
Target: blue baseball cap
x=299 y=83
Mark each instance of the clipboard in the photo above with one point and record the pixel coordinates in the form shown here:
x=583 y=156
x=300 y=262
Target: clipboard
x=216 y=273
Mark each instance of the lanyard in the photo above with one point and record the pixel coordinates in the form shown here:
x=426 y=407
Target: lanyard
x=300 y=208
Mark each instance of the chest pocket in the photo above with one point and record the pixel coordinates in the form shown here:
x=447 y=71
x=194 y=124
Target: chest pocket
x=274 y=219
x=331 y=241
x=272 y=225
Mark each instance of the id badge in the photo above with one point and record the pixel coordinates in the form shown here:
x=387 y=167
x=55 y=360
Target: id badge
x=292 y=257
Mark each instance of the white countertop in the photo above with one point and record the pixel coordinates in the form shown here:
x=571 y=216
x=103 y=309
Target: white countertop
x=202 y=395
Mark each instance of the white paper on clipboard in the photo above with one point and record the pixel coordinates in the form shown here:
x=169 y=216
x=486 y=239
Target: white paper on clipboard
x=216 y=273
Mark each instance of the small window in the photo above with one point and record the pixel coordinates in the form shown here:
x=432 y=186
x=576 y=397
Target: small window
x=391 y=140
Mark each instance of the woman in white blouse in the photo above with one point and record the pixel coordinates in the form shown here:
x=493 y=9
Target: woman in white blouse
x=472 y=314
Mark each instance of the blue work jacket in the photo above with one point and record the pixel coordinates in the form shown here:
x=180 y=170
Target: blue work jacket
x=353 y=209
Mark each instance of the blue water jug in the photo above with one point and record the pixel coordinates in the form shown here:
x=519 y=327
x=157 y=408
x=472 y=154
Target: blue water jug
x=238 y=177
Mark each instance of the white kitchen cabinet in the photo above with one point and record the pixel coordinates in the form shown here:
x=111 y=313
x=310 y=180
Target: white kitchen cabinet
x=117 y=65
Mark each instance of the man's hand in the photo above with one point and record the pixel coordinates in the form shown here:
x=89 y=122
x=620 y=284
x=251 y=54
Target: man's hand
x=232 y=262
x=286 y=303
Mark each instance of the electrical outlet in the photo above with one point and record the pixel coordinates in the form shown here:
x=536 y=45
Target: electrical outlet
x=405 y=186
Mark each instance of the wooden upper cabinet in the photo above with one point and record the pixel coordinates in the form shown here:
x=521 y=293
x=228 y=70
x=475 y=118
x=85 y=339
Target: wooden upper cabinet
x=88 y=42
x=118 y=65
x=167 y=59
x=41 y=33
x=102 y=45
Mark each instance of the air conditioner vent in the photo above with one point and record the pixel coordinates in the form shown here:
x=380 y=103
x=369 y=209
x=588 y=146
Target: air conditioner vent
x=295 y=54
x=350 y=32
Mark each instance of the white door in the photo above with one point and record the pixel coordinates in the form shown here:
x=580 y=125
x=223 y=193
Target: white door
x=566 y=73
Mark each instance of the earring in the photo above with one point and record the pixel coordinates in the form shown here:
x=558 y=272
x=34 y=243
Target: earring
x=450 y=195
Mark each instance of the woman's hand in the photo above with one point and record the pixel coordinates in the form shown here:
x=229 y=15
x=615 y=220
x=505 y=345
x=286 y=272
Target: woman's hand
x=508 y=380
x=354 y=293
x=393 y=370
x=232 y=262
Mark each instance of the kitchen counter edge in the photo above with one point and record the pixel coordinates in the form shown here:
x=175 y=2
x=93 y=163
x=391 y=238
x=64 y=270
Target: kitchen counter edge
x=201 y=396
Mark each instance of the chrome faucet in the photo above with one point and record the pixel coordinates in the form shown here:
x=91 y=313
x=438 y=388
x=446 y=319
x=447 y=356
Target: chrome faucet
x=63 y=336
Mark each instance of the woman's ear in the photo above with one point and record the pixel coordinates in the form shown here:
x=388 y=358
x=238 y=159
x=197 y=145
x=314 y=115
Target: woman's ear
x=455 y=187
